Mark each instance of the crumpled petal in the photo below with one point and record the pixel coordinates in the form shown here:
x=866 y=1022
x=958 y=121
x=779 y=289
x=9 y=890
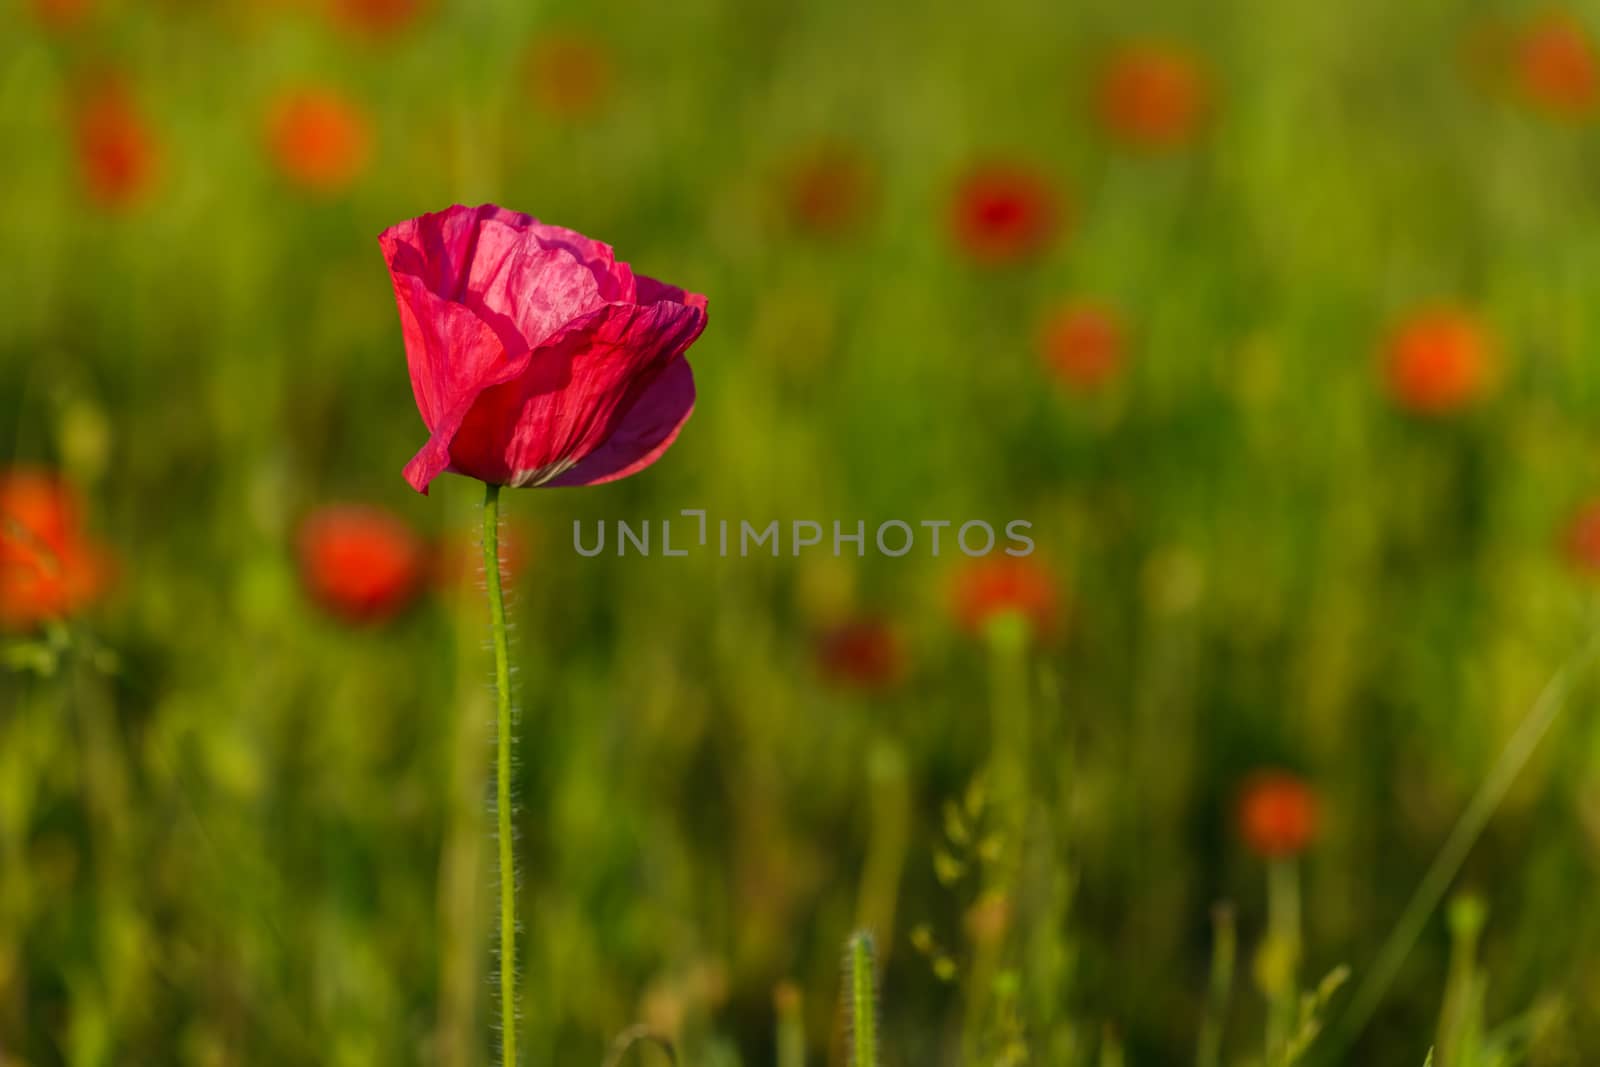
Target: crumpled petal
x=433 y=459
x=525 y=433
x=449 y=350
x=513 y=271
x=644 y=432
x=651 y=291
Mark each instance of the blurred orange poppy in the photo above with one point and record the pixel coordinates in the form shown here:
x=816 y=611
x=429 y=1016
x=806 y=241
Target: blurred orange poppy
x=60 y=14
x=116 y=149
x=1582 y=539
x=1278 y=814
x=320 y=140
x=361 y=564
x=1554 y=66
x=1002 y=213
x=1438 y=361
x=1152 y=96
x=992 y=586
x=377 y=18
x=1082 y=344
x=48 y=569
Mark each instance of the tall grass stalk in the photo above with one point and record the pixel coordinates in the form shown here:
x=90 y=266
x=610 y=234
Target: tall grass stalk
x=1513 y=758
x=791 y=1051
x=461 y=907
x=888 y=839
x=1008 y=639
x=1224 y=949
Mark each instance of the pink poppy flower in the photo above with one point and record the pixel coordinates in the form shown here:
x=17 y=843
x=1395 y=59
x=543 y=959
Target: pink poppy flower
x=537 y=357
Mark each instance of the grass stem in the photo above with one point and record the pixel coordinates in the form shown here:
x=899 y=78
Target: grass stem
x=1513 y=758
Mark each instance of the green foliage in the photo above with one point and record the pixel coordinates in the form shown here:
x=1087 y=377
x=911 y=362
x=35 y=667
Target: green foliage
x=1464 y=1039
x=1309 y=1021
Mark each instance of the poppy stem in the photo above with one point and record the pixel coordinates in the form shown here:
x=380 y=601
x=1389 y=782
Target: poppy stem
x=1008 y=639
x=502 y=799
x=861 y=965
x=1283 y=930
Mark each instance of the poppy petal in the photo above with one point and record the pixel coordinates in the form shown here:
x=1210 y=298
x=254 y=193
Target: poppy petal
x=645 y=432
x=449 y=349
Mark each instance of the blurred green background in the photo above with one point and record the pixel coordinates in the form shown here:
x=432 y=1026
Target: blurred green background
x=236 y=828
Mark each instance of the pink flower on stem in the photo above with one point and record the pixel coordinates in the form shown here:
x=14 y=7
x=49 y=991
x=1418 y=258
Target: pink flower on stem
x=537 y=357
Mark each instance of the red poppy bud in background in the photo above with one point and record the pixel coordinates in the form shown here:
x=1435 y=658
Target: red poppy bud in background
x=996 y=585
x=863 y=653
x=116 y=149
x=375 y=18
x=569 y=75
x=1082 y=344
x=827 y=191
x=1438 y=362
x=1152 y=96
x=1582 y=541
x=1277 y=814
x=48 y=569
x=1003 y=213
x=1555 y=68
x=60 y=14
x=319 y=140
x=360 y=563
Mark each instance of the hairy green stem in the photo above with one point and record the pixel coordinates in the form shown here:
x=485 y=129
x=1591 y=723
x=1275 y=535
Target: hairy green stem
x=502 y=797
x=863 y=1002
